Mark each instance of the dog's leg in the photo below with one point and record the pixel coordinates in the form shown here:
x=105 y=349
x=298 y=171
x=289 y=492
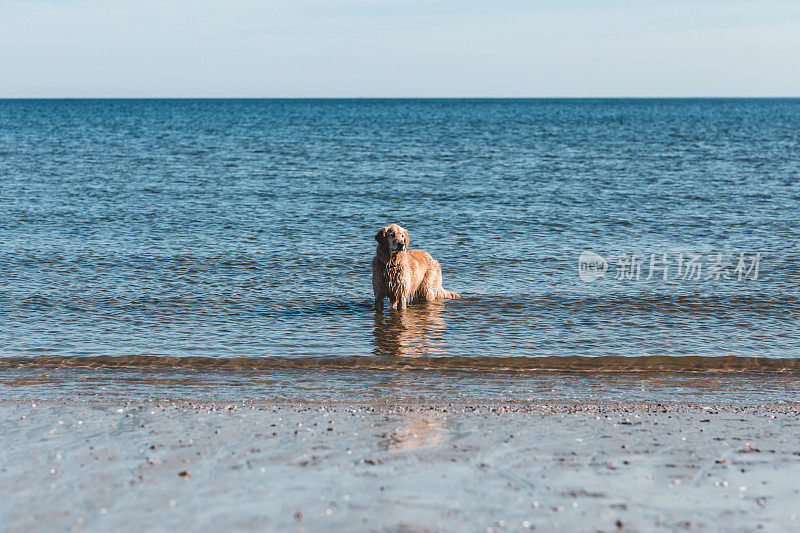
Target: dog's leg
x=436 y=290
x=378 y=286
x=402 y=300
x=379 y=301
x=379 y=296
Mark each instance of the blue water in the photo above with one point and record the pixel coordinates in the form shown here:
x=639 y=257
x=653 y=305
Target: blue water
x=244 y=228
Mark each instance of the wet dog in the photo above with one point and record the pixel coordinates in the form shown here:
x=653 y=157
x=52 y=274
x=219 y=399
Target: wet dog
x=404 y=275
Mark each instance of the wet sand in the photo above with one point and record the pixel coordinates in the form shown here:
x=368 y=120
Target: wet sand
x=111 y=463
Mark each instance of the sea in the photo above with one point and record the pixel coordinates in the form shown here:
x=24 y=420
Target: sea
x=585 y=237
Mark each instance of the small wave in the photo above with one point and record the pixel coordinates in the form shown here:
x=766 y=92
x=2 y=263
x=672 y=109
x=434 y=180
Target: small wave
x=324 y=309
x=566 y=364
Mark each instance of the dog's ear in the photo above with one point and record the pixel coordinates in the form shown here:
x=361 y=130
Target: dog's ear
x=381 y=237
x=408 y=240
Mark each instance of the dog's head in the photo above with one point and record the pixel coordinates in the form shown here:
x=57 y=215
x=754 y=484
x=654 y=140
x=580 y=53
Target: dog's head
x=393 y=238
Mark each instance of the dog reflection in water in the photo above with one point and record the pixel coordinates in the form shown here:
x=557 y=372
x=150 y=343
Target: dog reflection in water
x=411 y=332
x=415 y=331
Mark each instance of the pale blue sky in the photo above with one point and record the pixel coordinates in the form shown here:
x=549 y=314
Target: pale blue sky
x=363 y=48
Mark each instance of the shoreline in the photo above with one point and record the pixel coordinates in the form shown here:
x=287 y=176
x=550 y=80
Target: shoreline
x=110 y=462
x=402 y=386
x=553 y=364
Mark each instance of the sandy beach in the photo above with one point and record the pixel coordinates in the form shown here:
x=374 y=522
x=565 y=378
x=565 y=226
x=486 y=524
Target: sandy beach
x=102 y=464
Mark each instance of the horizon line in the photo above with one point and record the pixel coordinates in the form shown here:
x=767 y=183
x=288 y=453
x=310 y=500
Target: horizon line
x=397 y=97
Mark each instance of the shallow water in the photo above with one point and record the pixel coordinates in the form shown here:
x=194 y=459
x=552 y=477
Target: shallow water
x=223 y=229
x=322 y=384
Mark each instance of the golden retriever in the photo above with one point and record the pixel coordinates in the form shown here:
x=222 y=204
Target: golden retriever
x=404 y=275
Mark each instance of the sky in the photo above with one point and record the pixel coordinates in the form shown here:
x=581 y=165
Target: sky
x=400 y=48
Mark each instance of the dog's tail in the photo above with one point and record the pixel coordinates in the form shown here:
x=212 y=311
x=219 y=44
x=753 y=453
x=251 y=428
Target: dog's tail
x=447 y=294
